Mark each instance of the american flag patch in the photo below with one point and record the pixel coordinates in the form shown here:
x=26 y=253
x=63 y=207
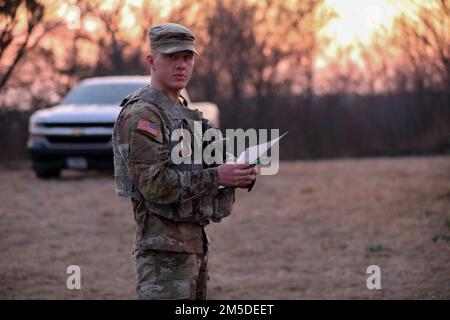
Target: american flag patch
x=149 y=127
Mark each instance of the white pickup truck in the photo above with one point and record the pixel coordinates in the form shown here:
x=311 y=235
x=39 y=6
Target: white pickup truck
x=76 y=134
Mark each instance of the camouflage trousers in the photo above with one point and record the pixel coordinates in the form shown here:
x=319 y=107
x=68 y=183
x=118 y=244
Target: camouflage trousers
x=165 y=275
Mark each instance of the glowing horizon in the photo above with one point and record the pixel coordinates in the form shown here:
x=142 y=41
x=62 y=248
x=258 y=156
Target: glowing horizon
x=356 y=22
x=359 y=20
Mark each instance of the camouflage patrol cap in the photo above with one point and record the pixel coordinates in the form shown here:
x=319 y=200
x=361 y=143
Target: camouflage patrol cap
x=171 y=38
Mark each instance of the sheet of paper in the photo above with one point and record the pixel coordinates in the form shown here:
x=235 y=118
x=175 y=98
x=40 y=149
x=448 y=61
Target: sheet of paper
x=253 y=153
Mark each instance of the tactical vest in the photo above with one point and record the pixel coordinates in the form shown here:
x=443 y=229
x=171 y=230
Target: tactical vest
x=198 y=208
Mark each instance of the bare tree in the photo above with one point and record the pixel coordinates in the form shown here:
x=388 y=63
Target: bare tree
x=253 y=49
x=424 y=41
x=15 y=36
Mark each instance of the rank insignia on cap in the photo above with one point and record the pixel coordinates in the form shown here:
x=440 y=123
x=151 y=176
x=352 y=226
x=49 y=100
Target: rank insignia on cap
x=149 y=127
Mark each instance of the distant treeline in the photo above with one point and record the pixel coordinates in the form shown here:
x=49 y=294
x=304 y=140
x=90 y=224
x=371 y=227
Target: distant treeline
x=13 y=134
x=345 y=125
x=320 y=127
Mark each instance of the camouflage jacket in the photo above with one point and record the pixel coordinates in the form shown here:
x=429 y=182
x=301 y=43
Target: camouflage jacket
x=172 y=202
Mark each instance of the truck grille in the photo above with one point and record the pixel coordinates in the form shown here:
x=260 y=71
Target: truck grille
x=79 y=139
x=78 y=125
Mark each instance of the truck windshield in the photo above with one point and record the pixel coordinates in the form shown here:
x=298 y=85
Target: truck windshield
x=111 y=93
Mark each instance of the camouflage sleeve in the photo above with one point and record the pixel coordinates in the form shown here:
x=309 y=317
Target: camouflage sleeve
x=225 y=198
x=226 y=156
x=148 y=161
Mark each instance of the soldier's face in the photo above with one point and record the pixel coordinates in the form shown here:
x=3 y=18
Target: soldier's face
x=172 y=71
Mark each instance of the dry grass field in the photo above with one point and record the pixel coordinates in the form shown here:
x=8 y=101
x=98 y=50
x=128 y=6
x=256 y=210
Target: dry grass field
x=310 y=232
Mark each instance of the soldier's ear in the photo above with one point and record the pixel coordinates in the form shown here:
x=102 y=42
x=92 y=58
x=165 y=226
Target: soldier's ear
x=150 y=61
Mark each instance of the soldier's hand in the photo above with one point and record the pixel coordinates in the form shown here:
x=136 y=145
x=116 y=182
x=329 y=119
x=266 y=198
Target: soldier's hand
x=236 y=175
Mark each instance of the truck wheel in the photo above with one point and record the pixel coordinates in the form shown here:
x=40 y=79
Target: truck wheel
x=47 y=173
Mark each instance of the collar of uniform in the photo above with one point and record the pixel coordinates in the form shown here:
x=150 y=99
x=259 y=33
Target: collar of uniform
x=182 y=100
x=159 y=97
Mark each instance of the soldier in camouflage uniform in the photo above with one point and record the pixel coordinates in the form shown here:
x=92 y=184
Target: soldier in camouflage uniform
x=172 y=202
